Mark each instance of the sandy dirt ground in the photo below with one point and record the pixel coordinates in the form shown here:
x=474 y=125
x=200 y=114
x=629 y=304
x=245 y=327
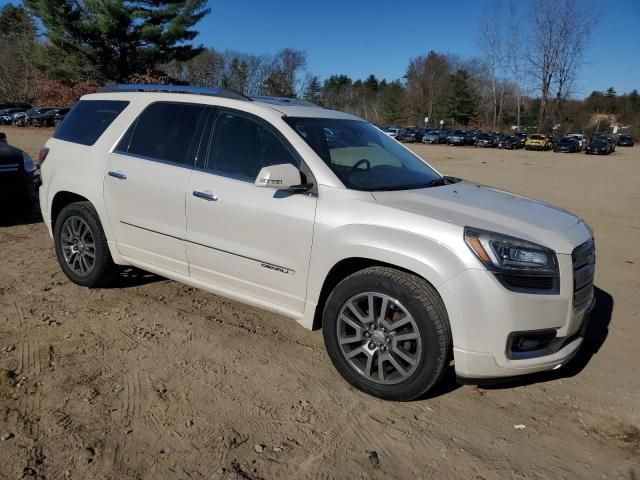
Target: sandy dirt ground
x=152 y=379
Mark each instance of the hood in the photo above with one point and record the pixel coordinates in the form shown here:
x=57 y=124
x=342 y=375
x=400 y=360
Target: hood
x=469 y=204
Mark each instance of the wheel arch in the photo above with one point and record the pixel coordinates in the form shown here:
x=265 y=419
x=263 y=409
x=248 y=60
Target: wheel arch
x=60 y=200
x=348 y=266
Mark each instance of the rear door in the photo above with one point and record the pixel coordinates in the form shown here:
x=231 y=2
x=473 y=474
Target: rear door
x=246 y=238
x=146 y=182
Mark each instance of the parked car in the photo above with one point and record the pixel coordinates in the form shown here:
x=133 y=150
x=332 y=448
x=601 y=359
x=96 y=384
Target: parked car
x=567 y=145
x=537 y=142
x=419 y=132
x=486 y=140
x=49 y=118
x=458 y=137
x=509 y=142
x=522 y=139
x=408 y=269
x=391 y=131
x=608 y=138
x=582 y=139
x=598 y=146
x=19 y=180
x=625 y=141
x=7 y=115
x=407 y=135
x=435 y=136
x=24 y=119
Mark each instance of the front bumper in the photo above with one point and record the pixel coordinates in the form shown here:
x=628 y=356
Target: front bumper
x=536 y=147
x=484 y=316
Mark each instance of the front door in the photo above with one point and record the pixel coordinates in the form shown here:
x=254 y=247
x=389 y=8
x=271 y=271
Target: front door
x=242 y=237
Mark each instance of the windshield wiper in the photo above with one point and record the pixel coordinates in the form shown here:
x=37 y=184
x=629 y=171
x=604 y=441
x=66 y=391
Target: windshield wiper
x=436 y=182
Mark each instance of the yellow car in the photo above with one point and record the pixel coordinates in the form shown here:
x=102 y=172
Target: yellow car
x=537 y=142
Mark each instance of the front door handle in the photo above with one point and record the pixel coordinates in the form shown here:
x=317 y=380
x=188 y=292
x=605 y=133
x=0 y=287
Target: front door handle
x=117 y=174
x=208 y=196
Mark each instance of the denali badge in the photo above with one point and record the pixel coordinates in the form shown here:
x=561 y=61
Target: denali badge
x=278 y=269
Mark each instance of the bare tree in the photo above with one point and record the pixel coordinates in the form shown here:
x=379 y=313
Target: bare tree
x=560 y=34
x=515 y=56
x=492 y=44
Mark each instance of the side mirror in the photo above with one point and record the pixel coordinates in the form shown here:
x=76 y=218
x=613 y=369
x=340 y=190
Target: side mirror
x=282 y=176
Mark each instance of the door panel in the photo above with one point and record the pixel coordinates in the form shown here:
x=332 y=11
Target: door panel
x=146 y=183
x=249 y=241
x=147 y=210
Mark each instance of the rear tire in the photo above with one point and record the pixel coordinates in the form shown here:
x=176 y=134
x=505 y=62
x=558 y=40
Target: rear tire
x=81 y=246
x=398 y=355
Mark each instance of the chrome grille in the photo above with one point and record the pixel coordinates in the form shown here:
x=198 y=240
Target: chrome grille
x=584 y=269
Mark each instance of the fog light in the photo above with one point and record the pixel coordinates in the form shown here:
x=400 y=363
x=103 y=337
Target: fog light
x=529 y=344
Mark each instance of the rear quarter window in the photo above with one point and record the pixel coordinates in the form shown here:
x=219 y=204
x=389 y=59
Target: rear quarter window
x=88 y=120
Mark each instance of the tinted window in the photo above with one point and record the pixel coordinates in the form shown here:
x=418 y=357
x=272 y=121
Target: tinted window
x=242 y=146
x=165 y=131
x=361 y=156
x=88 y=120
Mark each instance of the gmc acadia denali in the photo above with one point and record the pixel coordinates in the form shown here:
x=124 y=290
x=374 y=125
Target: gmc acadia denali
x=319 y=216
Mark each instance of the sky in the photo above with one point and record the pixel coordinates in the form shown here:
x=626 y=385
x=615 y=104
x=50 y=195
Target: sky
x=360 y=37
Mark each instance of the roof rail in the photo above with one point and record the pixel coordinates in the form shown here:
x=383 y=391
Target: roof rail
x=298 y=102
x=143 y=87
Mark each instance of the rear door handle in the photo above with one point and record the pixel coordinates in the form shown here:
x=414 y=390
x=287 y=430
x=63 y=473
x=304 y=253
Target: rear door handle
x=118 y=175
x=208 y=196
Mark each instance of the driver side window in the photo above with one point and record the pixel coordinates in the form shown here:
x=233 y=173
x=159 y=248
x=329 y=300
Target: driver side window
x=242 y=146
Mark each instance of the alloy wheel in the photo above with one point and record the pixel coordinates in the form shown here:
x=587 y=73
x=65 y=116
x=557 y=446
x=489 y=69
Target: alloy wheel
x=379 y=338
x=78 y=245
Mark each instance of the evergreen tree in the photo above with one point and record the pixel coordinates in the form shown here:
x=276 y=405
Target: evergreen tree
x=121 y=37
x=461 y=101
x=313 y=92
x=393 y=103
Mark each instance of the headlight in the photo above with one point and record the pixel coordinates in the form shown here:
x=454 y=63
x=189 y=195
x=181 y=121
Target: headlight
x=29 y=166
x=510 y=255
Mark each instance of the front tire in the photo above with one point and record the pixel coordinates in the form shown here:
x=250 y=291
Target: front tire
x=81 y=246
x=387 y=333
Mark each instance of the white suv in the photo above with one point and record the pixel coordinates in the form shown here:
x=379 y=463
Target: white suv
x=319 y=216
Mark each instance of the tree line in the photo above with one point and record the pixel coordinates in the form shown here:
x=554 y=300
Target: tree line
x=525 y=75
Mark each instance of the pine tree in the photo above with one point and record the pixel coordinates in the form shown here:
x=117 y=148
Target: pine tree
x=313 y=92
x=461 y=102
x=119 y=38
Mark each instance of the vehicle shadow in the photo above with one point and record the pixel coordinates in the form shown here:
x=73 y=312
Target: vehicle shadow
x=14 y=219
x=129 y=277
x=595 y=336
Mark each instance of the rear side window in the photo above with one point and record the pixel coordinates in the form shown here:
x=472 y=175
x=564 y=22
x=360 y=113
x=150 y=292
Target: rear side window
x=88 y=120
x=166 y=132
x=242 y=146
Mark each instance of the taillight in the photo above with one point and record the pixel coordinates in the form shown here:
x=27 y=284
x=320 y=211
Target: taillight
x=42 y=155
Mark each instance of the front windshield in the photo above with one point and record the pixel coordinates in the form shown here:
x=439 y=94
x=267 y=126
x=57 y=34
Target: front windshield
x=363 y=157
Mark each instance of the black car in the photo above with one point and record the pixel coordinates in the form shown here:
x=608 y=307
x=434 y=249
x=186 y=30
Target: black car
x=567 y=145
x=420 y=133
x=19 y=180
x=24 y=119
x=486 y=140
x=435 y=136
x=49 y=118
x=609 y=139
x=598 y=146
x=509 y=142
x=625 y=141
x=6 y=115
x=458 y=137
x=3 y=137
x=406 y=135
